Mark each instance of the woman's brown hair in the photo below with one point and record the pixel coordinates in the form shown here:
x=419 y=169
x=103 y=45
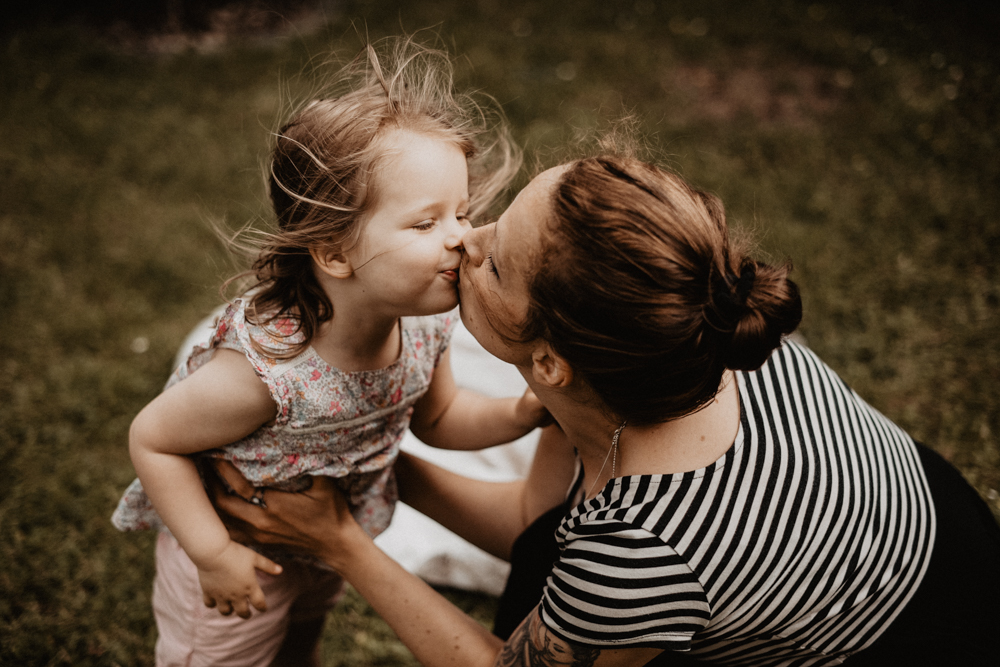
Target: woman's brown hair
x=321 y=176
x=644 y=294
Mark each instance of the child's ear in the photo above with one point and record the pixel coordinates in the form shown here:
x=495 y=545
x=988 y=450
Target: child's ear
x=548 y=368
x=332 y=262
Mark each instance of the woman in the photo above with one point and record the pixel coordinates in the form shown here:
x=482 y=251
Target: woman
x=735 y=502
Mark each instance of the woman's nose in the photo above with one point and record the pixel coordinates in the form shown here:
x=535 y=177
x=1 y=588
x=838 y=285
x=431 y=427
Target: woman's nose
x=472 y=242
x=457 y=229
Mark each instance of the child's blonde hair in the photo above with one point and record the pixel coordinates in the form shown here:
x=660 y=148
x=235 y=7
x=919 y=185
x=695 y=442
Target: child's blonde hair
x=321 y=175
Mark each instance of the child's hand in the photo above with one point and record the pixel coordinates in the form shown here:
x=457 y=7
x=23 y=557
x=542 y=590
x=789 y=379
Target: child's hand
x=229 y=581
x=530 y=412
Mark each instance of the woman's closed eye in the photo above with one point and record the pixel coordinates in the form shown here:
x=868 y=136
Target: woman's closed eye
x=492 y=266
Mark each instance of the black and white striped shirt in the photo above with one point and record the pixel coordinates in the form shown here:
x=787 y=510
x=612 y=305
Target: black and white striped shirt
x=798 y=547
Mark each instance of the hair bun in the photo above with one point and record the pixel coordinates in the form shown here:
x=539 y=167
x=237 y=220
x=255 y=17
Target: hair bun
x=728 y=299
x=755 y=311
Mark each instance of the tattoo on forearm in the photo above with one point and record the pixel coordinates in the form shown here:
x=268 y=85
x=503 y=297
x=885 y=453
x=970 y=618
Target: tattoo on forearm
x=532 y=645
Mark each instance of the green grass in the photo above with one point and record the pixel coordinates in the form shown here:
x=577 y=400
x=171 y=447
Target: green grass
x=858 y=145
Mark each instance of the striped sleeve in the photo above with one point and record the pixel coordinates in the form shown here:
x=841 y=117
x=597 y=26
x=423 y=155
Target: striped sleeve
x=616 y=584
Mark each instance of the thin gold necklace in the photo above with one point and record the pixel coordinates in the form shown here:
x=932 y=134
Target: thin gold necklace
x=614 y=458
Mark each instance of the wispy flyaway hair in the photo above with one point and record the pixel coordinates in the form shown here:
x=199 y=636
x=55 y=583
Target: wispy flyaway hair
x=323 y=172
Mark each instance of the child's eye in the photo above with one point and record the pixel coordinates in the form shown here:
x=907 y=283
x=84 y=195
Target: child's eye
x=492 y=266
x=425 y=225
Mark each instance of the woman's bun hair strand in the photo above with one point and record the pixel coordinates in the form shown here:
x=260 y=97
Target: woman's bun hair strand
x=645 y=296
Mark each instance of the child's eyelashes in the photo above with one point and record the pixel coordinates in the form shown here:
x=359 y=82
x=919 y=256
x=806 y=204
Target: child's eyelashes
x=431 y=222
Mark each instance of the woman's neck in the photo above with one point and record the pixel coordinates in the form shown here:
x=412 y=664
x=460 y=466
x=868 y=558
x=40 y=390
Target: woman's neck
x=680 y=445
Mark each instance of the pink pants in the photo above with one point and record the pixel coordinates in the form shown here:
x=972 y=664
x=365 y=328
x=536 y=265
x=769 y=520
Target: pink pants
x=192 y=635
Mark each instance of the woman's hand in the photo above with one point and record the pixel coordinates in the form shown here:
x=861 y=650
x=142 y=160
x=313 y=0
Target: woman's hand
x=311 y=521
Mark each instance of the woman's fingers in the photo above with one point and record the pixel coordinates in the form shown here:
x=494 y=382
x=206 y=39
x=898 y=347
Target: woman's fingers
x=237 y=482
x=229 y=492
x=241 y=518
x=252 y=515
x=321 y=492
x=208 y=600
x=306 y=521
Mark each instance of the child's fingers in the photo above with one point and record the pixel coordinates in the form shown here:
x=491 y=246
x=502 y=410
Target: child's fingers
x=257 y=599
x=241 y=608
x=265 y=564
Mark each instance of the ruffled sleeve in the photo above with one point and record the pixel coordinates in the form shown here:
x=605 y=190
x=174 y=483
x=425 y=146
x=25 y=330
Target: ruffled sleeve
x=431 y=336
x=258 y=344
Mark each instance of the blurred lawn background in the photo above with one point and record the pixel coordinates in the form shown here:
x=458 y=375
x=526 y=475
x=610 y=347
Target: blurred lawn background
x=859 y=140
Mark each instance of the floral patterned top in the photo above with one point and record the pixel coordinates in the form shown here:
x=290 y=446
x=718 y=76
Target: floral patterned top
x=345 y=425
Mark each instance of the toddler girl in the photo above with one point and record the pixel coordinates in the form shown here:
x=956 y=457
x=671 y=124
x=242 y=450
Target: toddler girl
x=339 y=346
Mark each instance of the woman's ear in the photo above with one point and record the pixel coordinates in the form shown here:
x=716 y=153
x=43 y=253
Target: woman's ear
x=548 y=368
x=332 y=262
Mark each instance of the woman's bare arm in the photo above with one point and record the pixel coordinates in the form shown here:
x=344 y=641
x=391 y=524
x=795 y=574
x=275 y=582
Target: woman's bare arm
x=318 y=521
x=489 y=514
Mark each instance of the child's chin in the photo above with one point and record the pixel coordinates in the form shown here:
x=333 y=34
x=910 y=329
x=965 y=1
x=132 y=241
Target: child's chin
x=451 y=305
x=442 y=306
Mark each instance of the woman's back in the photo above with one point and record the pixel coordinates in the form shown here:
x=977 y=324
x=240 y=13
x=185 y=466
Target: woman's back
x=803 y=541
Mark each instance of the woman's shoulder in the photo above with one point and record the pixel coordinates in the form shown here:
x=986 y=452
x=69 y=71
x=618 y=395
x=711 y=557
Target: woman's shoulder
x=620 y=505
x=793 y=376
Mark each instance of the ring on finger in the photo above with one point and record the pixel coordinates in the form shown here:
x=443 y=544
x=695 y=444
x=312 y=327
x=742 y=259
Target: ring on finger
x=258 y=497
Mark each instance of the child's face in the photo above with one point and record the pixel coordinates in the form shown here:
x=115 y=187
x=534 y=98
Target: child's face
x=408 y=256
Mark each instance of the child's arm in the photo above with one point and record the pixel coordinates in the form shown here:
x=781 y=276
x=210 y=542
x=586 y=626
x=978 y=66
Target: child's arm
x=451 y=418
x=220 y=403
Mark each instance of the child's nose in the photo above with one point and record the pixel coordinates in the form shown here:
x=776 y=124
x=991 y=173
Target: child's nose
x=457 y=229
